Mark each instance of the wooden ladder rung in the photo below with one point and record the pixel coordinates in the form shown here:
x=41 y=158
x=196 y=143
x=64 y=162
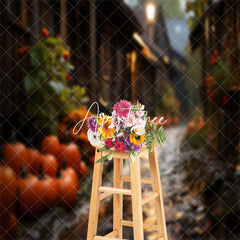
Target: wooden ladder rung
x=115 y=190
x=104 y=195
x=143 y=180
x=150 y=198
x=107 y=238
x=145 y=225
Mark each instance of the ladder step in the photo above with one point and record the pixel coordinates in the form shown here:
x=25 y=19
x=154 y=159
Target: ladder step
x=143 y=180
x=145 y=225
x=150 y=198
x=115 y=190
x=107 y=238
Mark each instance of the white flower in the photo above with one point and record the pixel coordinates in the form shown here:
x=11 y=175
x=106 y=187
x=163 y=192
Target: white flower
x=141 y=122
x=94 y=138
x=138 y=129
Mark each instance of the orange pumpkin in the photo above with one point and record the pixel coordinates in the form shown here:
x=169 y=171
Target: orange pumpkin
x=71 y=154
x=47 y=189
x=33 y=157
x=29 y=202
x=51 y=145
x=49 y=164
x=7 y=189
x=68 y=171
x=8 y=226
x=83 y=170
x=67 y=187
x=15 y=155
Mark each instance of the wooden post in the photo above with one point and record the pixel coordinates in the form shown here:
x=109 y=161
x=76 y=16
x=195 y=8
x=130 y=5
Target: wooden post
x=4 y=83
x=136 y=199
x=95 y=198
x=133 y=76
x=156 y=185
x=93 y=49
x=63 y=21
x=117 y=198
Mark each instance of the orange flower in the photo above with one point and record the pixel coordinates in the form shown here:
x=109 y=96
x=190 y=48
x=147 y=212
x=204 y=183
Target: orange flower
x=66 y=55
x=104 y=123
x=45 y=33
x=209 y=82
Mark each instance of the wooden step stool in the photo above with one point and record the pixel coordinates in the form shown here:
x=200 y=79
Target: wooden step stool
x=99 y=193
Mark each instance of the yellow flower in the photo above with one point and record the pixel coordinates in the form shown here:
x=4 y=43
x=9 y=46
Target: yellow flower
x=137 y=139
x=104 y=123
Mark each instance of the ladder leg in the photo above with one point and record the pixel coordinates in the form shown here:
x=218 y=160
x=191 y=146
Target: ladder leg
x=136 y=199
x=156 y=184
x=95 y=200
x=117 y=198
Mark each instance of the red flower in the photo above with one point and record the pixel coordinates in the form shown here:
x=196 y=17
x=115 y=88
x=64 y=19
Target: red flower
x=66 y=55
x=120 y=147
x=225 y=100
x=212 y=96
x=23 y=51
x=45 y=33
x=68 y=77
x=214 y=57
x=109 y=143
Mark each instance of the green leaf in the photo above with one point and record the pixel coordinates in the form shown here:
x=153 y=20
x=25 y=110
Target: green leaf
x=52 y=42
x=56 y=86
x=104 y=148
x=35 y=58
x=107 y=157
x=29 y=84
x=132 y=156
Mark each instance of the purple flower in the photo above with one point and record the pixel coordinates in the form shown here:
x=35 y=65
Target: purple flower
x=136 y=148
x=127 y=140
x=126 y=148
x=92 y=124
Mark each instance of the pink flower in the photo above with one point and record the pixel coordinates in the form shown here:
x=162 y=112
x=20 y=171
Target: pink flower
x=122 y=108
x=109 y=143
x=140 y=113
x=120 y=147
x=140 y=122
x=131 y=120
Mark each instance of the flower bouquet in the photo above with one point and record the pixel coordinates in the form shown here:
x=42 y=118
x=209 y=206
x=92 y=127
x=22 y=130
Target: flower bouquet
x=127 y=130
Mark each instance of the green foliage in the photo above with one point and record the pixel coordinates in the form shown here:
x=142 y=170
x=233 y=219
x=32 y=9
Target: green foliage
x=194 y=76
x=154 y=134
x=45 y=82
x=171 y=8
x=106 y=157
x=169 y=103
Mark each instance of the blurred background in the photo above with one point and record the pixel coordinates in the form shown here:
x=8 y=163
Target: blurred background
x=180 y=58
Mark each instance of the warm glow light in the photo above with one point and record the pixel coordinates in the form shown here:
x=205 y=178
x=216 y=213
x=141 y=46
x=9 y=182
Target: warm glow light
x=150 y=11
